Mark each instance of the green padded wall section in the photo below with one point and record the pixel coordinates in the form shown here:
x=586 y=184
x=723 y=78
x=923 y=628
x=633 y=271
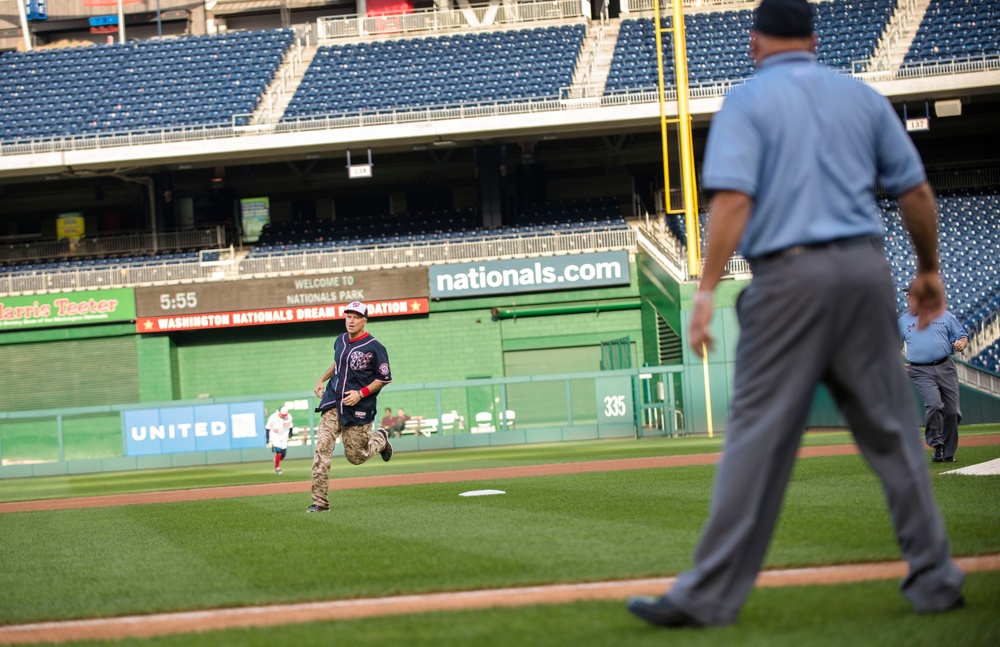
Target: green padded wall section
x=29 y=441
x=68 y=373
x=544 y=403
x=261 y=359
x=157 y=368
x=92 y=436
x=278 y=359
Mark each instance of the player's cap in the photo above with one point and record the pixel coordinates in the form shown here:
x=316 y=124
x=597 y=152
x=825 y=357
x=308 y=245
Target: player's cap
x=784 y=18
x=358 y=308
x=283 y=412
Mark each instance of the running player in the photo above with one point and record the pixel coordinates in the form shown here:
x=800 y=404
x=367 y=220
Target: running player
x=359 y=370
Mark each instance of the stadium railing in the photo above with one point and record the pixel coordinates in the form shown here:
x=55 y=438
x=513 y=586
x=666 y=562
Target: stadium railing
x=633 y=6
x=313 y=261
x=442 y=251
x=657 y=239
x=982 y=380
x=985 y=334
x=131 y=243
x=923 y=69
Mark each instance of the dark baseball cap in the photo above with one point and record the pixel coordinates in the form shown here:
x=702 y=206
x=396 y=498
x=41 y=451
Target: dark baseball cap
x=784 y=18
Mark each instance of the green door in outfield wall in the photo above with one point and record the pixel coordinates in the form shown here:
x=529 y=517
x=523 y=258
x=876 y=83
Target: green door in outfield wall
x=659 y=401
x=552 y=403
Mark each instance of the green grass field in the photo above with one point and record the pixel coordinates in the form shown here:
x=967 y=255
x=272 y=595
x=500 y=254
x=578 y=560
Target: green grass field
x=411 y=539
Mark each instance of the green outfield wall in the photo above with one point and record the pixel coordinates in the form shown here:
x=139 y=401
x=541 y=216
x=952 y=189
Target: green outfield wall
x=535 y=409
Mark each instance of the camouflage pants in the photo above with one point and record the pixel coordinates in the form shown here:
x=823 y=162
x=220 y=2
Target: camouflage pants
x=360 y=444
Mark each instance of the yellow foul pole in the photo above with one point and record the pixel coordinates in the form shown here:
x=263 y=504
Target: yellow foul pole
x=688 y=179
x=661 y=86
x=689 y=187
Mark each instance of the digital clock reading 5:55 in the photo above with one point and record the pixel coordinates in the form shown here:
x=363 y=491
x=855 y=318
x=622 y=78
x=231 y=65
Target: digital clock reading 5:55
x=178 y=300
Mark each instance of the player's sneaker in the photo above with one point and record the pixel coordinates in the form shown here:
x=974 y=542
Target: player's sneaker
x=316 y=508
x=277 y=470
x=387 y=450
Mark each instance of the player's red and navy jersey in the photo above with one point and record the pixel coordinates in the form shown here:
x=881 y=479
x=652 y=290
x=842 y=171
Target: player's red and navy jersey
x=358 y=363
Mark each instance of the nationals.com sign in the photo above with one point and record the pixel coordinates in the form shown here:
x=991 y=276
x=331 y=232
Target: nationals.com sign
x=529 y=275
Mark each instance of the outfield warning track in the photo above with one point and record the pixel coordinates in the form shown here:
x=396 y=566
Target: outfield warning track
x=217 y=619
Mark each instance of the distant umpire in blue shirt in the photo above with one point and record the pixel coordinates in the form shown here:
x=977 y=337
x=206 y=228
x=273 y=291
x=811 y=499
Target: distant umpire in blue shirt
x=792 y=160
x=929 y=363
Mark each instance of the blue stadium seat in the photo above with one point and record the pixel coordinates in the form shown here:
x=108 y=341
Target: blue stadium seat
x=438 y=71
x=956 y=29
x=717 y=44
x=115 y=87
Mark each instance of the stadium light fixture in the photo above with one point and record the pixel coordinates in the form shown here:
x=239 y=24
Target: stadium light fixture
x=948 y=108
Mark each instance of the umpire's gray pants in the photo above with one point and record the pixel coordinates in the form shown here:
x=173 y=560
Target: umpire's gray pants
x=938 y=386
x=824 y=315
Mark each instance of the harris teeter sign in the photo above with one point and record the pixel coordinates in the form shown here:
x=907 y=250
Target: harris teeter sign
x=67 y=309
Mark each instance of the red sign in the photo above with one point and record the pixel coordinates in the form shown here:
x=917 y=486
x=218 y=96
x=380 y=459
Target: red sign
x=263 y=317
x=389 y=7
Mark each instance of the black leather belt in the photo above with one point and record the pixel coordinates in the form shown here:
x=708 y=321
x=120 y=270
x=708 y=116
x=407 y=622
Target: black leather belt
x=934 y=363
x=795 y=250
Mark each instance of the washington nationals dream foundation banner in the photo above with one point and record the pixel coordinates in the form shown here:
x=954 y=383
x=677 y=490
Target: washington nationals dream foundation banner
x=294 y=299
x=199 y=428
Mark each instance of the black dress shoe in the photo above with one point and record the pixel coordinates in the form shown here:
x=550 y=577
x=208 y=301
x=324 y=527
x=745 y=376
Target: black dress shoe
x=959 y=603
x=938 y=454
x=950 y=459
x=661 y=611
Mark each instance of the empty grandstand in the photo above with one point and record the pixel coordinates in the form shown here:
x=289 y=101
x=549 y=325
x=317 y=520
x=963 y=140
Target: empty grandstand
x=176 y=83
x=499 y=66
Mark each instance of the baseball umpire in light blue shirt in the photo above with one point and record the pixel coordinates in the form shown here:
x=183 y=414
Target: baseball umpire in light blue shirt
x=792 y=160
x=928 y=358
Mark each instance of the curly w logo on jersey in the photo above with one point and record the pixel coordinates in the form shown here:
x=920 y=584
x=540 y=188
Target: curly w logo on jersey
x=360 y=361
